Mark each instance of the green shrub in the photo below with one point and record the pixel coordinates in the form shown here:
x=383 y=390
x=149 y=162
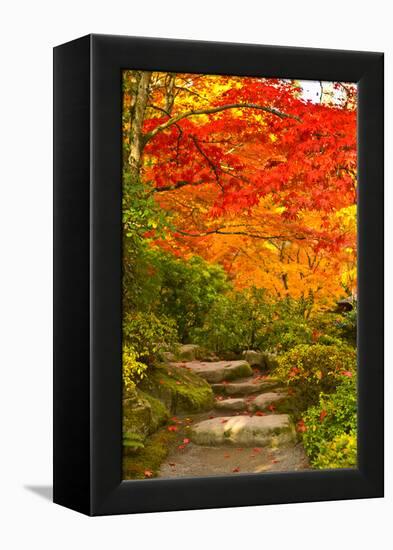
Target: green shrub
x=282 y=335
x=133 y=370
x=188 y=290
x=331 y=426
x=341 y=452
x=347 y=326
x=340 y=326
x=235 y=322
x=328 y=340
x=148 y=334
x=315 y=369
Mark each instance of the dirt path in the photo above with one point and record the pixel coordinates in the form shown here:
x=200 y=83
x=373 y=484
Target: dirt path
x=241 y=431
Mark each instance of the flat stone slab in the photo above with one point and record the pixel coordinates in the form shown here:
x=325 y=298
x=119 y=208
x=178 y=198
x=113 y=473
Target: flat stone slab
x=218 y=371
x=245 y=387
x=245 y=431
x=231 y=404
x=262 y=401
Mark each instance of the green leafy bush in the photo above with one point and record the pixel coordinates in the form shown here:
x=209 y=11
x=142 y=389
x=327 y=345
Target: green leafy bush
x=341 y=452
x=315 y=369
x=330 y=427
x=235 y=322
x=148 y=334
x=187 y=290
x=282 y=335
x=133 y=370
x=347 y=326
x=328 y=340
x=340 y=326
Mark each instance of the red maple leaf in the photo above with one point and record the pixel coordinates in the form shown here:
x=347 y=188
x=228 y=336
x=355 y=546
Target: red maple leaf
x=172 y=428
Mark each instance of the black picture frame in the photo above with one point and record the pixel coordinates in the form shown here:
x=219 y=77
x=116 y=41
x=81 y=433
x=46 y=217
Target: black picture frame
x=87 y=275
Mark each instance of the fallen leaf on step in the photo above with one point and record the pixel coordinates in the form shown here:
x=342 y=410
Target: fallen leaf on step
x=172 y=428
x=237 y=469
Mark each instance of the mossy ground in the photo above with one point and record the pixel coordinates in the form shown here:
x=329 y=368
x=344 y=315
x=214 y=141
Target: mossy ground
x=147 y=461
x=181 y=390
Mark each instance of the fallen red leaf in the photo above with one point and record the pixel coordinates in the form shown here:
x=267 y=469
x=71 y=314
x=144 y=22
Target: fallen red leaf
x=224 y=420
x=173 y=464
x=347 y=373
x=186 y=441
x=181 y=447
x=322 y=415
x=272 y=408
x=172 y=428
x=237 y=469
x=256 y=450
x=301 y=427
x=260 y=413
x=227 y=456
x=148 y=473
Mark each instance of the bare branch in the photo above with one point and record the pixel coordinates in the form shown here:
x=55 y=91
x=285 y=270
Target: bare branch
x=175 y=119
x=245 y=233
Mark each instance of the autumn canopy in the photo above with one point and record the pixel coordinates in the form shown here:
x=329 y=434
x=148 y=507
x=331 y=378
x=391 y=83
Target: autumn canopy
x=251 y=175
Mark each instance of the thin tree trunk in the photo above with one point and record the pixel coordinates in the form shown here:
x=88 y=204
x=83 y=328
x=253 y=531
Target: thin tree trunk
x=137 y=117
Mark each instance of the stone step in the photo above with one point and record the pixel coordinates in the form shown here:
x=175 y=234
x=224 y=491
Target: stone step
x=261 y=402
x=218 y=371
x=253 y=403
x=231 y=404
x=245 y=431
x=245 y=387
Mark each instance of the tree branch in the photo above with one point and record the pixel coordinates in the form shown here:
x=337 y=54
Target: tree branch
x=245 y=233
x=147 y=137
x=178 y=185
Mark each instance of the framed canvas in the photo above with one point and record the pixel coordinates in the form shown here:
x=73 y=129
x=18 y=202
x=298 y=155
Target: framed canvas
x=218 y=224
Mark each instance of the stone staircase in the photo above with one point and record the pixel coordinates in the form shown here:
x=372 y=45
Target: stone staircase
x=246 y=401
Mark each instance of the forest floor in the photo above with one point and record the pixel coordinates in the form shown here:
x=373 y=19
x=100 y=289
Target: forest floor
x=242 y=434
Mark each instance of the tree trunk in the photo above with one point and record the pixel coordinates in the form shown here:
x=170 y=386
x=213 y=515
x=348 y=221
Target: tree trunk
x=137 y=116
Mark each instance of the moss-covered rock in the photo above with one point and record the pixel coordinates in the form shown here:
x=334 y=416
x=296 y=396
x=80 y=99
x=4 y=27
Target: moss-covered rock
x=143 y=414
x=147 y=461
x=190 y=352
x=179 y=389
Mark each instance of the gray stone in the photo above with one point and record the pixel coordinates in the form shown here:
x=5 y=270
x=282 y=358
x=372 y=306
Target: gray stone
x=262 y=401
x=220 y=370
x=246 y=387
x=189 y=352
x=255 y=358
x=231 y=404
x=245 y=431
